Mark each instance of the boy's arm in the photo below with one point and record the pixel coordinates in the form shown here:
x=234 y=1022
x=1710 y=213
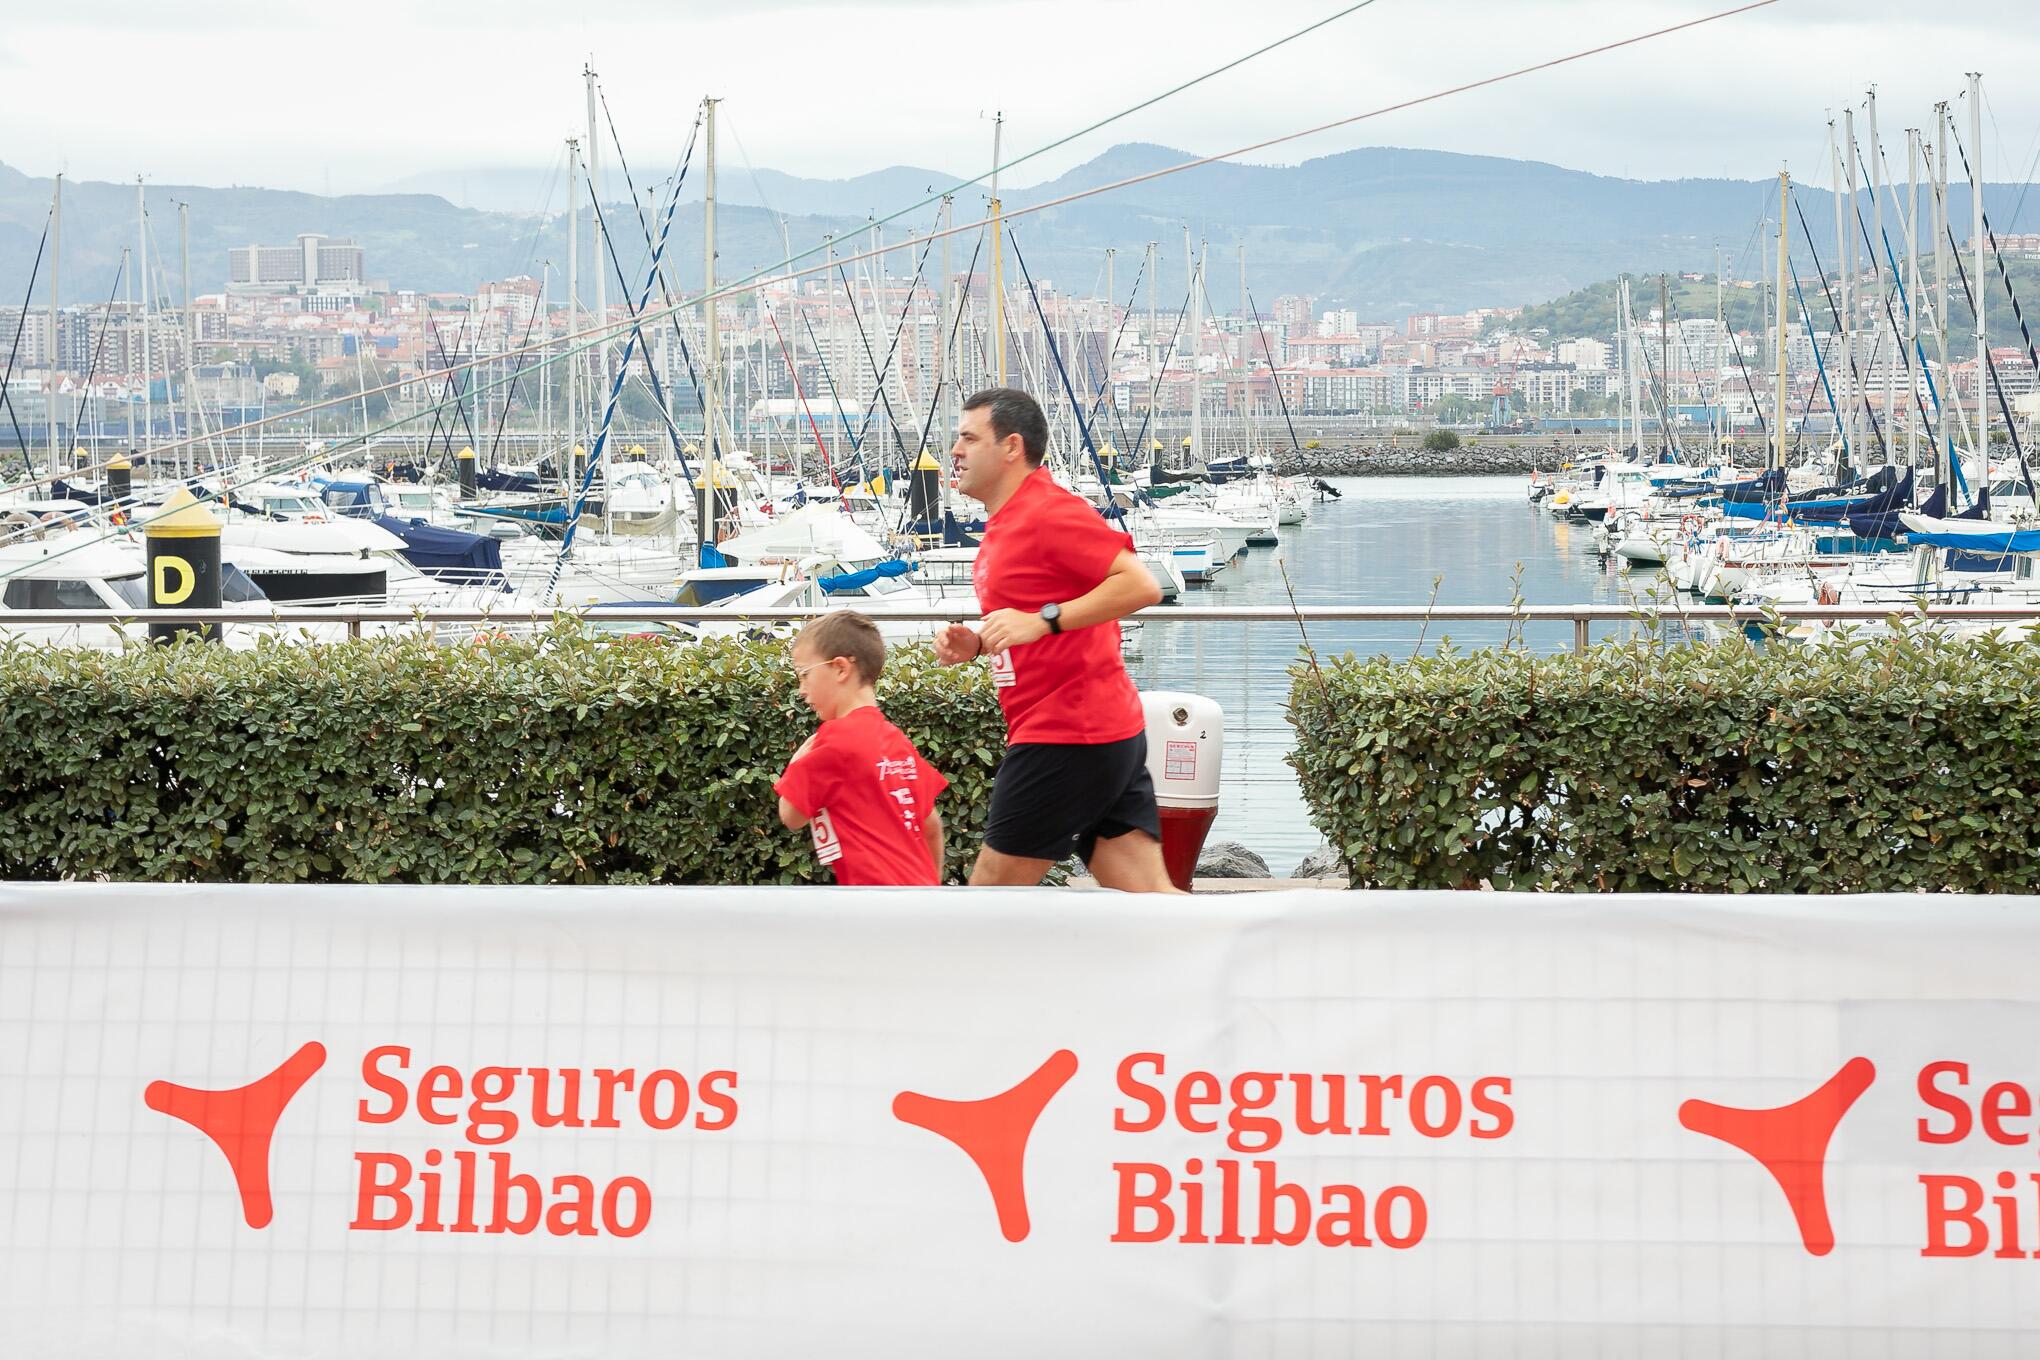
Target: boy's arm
x=931 y=831
x=800 y=779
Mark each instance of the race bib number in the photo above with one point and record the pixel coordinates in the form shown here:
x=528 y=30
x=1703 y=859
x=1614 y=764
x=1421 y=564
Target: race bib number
x=828 y=849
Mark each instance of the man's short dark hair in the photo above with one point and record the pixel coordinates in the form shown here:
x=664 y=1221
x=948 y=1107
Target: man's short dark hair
x=1011 y=412
x=846 y=632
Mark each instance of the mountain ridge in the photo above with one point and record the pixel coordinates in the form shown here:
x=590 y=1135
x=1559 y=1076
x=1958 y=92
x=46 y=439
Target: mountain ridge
x=1383 y=230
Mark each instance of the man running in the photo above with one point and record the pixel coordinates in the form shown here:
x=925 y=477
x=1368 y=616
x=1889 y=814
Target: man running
x=1053 y=579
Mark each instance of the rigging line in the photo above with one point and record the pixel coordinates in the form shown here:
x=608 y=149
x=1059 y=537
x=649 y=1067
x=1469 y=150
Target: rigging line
x=843 y=430
x=1116 y=511
x=593 y=335
x=1147 y=103
x=793 y=371
x=629 y=183
x=190 y=354
x=1274 y=375
x=643 y=345
x=1819 y=365
x=1147 y=420
x=678 y=178
x=516 y=378
x=312 y=456
x=1991 y=108
x=1990 y=237
x=892 y=349
x=20 y=329
x=596 y=455
x=98 y=350
x=1848 y=347
x=935 y=399
x=1989 y=377
x=456 y=391
x=1105 y=364
x=1890 y=316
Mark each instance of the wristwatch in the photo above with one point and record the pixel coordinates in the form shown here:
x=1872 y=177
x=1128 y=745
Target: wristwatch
x=1051 y=614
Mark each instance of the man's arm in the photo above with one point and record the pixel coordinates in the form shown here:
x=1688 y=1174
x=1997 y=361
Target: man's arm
x=1128 y=586
x=791 y=817
x=931 y=831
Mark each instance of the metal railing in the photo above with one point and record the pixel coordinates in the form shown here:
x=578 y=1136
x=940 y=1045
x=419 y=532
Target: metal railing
x=1582 y=617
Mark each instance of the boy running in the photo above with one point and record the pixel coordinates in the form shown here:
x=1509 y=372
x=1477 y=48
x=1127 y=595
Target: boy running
x=858 y=784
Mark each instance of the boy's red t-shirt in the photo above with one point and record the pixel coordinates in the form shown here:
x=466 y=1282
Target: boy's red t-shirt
x=867 y=794
x=1048 y=545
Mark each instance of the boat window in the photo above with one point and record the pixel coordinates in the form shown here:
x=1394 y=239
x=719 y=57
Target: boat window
x=52 y=595
x=131 y=589
x=235 y=587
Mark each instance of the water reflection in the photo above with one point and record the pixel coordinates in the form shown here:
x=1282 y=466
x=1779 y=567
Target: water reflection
x=1389 y=541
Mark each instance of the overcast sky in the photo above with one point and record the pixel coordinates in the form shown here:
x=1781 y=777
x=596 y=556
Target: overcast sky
x=352 y=98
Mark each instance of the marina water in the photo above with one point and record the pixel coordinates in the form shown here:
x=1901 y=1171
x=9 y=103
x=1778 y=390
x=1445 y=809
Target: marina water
x=1382 y=543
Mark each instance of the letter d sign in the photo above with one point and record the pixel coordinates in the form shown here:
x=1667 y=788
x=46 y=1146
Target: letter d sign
x=165 y=593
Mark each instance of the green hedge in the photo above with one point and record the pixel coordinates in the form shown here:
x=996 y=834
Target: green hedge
x=558 y=758
x=1898 y=762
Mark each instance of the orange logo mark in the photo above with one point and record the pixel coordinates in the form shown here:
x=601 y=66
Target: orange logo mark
x=1791 y=1143
x=241 y=1121
x=993 y=1132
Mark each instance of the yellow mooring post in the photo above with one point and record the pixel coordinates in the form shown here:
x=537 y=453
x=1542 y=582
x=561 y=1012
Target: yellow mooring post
x=184 y=564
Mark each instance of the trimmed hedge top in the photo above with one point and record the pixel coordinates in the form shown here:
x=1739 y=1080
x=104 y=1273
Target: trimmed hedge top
x=558 y=758
x=1896 y=762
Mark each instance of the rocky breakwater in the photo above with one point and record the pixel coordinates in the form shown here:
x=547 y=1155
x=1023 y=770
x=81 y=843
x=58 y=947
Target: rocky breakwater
x=1408 y=458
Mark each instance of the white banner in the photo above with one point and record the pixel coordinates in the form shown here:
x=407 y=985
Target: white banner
x=345 y=1122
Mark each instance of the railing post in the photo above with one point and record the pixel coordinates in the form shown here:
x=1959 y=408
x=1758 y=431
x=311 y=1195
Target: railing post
x=354 y=628
x=1579 y=632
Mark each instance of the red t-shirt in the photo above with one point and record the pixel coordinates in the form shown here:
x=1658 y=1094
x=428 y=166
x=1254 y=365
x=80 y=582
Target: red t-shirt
x=867 y=794
x=1048 y=545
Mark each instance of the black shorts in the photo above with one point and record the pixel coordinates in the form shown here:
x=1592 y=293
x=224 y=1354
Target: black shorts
x=1052 y=801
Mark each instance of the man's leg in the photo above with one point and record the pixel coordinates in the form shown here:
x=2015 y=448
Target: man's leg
x=996 y=869
x=1131 y=863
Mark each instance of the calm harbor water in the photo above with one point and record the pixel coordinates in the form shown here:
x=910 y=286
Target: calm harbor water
x=1384 y=543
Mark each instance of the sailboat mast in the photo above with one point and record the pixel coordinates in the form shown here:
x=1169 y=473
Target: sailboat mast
x=1976 y=277
x=1877 y=258
x=1196 y=368
x=1944 y=450
x=128 y=285
x=1844 y=407
x=571 y=358
x=1635 y=366
x=142 y=268
x=945 y=358
x=1714 y=411
x=712 y=349
x=1111 y=322
x=998 y=258
x=56 y=337
x=1859 y=395
x=192 y=412
x=1151 y=350
x=1912 y=293
x=598 y=254
x=1778 y=392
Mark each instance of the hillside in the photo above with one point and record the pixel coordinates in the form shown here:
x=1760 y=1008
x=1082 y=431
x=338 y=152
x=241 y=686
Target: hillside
x=1591 y=310
x=1384 y=230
